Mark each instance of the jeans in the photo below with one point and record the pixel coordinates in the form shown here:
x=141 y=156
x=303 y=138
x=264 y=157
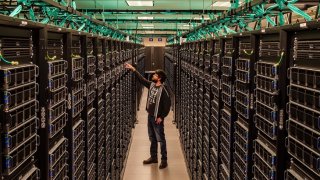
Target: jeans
x=156 y=134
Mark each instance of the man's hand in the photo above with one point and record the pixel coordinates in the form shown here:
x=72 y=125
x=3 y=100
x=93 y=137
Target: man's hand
x=158 y=120
x=129 y=66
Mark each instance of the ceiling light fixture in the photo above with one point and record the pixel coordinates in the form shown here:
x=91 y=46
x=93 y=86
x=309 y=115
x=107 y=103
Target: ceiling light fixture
x=200 y=18
x=140 y=3
x=221 y=4
x=147 y=27
x=145 y=17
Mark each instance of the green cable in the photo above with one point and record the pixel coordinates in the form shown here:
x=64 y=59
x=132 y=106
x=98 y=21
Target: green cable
x=72 y=26
x=32 y=15
x=258 y=27
x=51 y=58
x=280 y=60
x=16 y=11
x=74 y=5
x=318 y=10
x=8 y=62
x=281 y=19
x=103 y=18
x=211 y=16
x=45 y=20
x=234 y=5
x=247 y=53
x=61 y=24
x=63 y=3
x=280 y=4
x=193 y=25
x=299 y=12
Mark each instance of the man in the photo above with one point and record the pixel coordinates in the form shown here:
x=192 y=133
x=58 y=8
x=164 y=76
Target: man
x=158 y=107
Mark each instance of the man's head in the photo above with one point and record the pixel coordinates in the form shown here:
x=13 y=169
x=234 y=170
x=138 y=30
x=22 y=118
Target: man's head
x=159 y=75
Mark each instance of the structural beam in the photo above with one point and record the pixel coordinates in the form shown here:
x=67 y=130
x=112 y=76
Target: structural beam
x=153 y=20
x=154 y=29
x=154 y=35
x=146 y=11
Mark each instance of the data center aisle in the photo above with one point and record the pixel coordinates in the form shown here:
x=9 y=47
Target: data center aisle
x=139 y=151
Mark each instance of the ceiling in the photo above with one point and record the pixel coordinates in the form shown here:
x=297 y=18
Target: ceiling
x=169 y=16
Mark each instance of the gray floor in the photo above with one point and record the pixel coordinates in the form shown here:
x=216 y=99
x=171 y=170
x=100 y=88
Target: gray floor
x=139 y=151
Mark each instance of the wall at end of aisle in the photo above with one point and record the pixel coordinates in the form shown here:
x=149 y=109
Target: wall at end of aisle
x=155 y=41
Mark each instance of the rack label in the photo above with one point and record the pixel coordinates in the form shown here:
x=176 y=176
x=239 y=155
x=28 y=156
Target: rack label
x=251 y=101
x=281 y=114
x=43 y=117
x=69 y=101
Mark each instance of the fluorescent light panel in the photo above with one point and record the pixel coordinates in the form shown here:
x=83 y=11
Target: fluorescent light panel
x=200 y=18
x=145 y=17
x=147 y=27
x=221 y=4
x=140 y=3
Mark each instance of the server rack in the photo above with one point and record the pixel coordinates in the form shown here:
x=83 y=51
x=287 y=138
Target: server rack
x=215 y=109
x=117 y=117
x=244 y=131
x=200 y=97
x=194 y=126
x=269 y=151
x=75 y=126
x=228 y=111
x=113 y=113
x=18 y=105
x=171 y=66
x=99 y=51
x=53 y=153
x=185 y=133
x=177 y=88
x=194 y=109
x=140 y=65
x=207 y=54
x=303 y=107
x=276 y=78
x=50 y=113
x=232 y=129
x=89 y=114
x=181 y=104
x=108 y=108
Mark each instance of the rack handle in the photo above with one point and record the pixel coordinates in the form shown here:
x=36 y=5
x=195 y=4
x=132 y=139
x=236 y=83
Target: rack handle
x=37 y=123
x=37 y=106
x=8 y=75
x=37 y=71
x=37 y=140
x=286 y=142
x=253 y=168
x=37 y=88
x=65 y=65
x=7 y=100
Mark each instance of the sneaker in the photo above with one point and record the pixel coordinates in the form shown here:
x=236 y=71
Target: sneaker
x=163 y=164
x=150 y=161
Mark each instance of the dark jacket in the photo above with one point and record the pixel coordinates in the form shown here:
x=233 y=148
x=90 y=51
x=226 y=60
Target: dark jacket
x=162 y=106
